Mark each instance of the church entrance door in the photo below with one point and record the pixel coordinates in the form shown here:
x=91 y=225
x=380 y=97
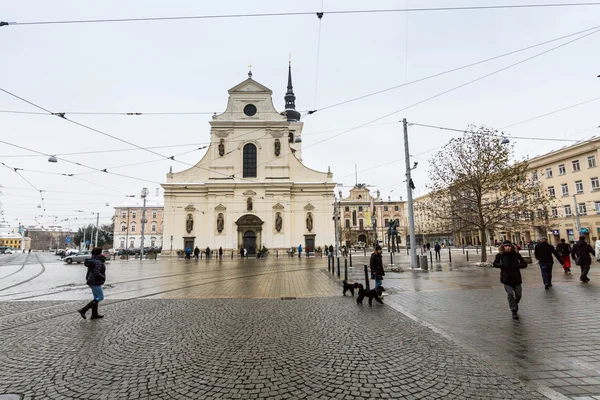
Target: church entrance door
x=250 y=242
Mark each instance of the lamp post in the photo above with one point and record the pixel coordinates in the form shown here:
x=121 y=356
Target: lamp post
x=409 y=187
x=144 y=194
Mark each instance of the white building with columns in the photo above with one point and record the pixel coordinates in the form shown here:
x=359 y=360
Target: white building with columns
x=251 y=188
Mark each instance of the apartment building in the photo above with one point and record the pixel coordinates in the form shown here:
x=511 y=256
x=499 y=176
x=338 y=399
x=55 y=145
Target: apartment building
x=128 y=223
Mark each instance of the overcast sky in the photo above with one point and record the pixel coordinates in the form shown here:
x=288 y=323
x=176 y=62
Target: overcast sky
x=188 y=66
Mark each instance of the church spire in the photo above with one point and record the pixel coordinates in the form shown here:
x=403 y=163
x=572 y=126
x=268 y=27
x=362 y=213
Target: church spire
x=290 y=99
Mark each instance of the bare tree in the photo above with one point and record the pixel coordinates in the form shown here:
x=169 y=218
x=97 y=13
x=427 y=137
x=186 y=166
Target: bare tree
x=476 y=185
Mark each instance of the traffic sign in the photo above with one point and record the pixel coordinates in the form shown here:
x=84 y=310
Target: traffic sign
x=68 y=240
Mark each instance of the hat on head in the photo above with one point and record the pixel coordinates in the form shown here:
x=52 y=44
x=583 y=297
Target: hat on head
x=506 y=243
x=378 y=247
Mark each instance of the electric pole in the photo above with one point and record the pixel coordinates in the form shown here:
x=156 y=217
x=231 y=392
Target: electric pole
x=97 y=224
x=409 y=186
x=577 y=217
x=144 y=194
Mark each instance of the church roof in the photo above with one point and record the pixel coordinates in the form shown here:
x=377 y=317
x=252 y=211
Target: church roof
x=250 y=85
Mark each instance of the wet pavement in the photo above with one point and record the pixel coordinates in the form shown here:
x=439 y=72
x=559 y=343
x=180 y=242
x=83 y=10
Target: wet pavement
x=232 y=329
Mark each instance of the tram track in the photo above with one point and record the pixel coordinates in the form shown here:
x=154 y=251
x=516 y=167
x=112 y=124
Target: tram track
x=26 y=280
x=17 y=271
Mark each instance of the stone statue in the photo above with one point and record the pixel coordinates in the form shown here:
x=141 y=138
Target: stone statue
x=278 y=222
x=222 y=147
x=189 y=223
x=277 y=147
x=249 y=204
x=220 y=222
x=309 y=222
x=393 y=235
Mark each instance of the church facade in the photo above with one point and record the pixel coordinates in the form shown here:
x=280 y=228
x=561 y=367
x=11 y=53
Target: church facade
x=251 y=188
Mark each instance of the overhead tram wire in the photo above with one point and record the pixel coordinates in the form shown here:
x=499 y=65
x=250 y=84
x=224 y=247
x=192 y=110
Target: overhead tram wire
x=302 y=13
x=16 y=170
x=453 y=70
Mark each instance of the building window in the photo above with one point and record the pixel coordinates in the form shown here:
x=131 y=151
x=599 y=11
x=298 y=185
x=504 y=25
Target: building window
x=551 y=191
x=134 y=214
x=348 y=223
x=540 y=213
x=360 y=224
x=123 y=227
x=568 y=211
x=249 y=161
x=396 y=208
x=561 y=169
x=582 y=209
x=131 y=243
x=554 y=212
x=591 y=161
x=534 y=176
x=579 y=186
x=595 y=183
x=360 y=208
x=536 y=195
x=576 y=166
x=347 y=209
x=153 y=227
x=123 y=214
x=565 y=189
x=153 y=214
x=385 y=208
x=597 y=207
x=387 y=222
x=133 y=227
x=122 y=243
x=548 y=172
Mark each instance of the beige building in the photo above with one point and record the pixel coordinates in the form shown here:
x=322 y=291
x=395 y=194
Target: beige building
x=360 y=209
x=571 y=176
x=128 y=223
x=428 y=228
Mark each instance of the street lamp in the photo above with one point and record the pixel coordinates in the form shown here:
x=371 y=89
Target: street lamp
x=52 y=159
x=144 y=194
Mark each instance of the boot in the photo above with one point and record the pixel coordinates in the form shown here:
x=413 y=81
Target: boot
x=85 y=309
x=515 y=315
x=95 y=314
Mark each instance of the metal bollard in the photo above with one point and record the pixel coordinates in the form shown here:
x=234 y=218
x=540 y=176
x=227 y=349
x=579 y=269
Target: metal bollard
x=477 y=249
x=338 y=269
x=328 y=263
x=346 y=269
x=463 y=249
x=392 y=258
x=407 y=250
x=431 y=257
x=367 y=283
x=365 y=251
x=350 y=258
x=467 y=255
x=449 y=255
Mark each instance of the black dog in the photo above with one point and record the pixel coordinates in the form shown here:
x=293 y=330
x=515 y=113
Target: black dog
x=371 y=294
x=348 y=287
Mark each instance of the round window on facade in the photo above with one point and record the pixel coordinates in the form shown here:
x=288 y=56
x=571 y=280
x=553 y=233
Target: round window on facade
x=250 y=110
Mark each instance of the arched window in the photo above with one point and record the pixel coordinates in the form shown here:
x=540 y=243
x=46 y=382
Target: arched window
x=249 y=161
x=153 y=227
x=133 y=227
x=123 y=227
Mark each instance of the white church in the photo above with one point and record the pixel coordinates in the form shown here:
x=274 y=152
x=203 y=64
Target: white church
x=251 y=188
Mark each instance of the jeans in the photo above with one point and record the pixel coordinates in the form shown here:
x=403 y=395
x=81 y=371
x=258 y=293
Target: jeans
x=546 y=269
x=378 y=282
x=97 y=292
x=437 y=255
x=514 y=296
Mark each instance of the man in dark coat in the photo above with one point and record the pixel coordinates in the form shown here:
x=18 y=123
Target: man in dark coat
x=543 y=253
x=196 y=252
x=564 y=251
x=376 y=265
x=510 y=262
x=437 y=249
x=581 y=254
x=95 y=278
x=220 y=252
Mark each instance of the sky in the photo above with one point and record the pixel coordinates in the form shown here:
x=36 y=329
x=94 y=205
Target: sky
x=188 y=66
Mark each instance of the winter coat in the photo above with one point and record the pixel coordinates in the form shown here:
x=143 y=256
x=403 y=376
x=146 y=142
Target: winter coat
x=376 y=265
x=543 y=253
x=598 y=249
x=581 y=251
x=437 y=247
x=300 y=249
x=510 y=264
x=563 y=249
x=96 y=270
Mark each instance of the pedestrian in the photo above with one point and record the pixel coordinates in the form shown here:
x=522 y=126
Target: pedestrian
x=510 y=262
x=299 y=250
x=564 y=252
x=543 y=253
x=245 y=252
x=437 y=249
x=242 y=251
x=95 y=278
x=597 y=249
x=307 y=250
x=581 y=254
x=428 y=246
x=376 y=264
x=220 y=252
x=207 y=252
x=196 y=252
x=331 y=250
x=188 y=253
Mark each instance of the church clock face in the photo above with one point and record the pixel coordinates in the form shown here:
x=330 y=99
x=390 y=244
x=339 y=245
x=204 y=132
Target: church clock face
x=250 y=110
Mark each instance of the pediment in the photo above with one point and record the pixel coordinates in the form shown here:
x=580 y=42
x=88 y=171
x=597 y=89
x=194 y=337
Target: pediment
x=278 y=207
x=249 y=85
x=190 y=207
x=309 y=207
x=249 y=193
x=220 y=207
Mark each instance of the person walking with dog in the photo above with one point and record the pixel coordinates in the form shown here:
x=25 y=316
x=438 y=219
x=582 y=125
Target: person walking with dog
x=95 y=278
x=581 y=254
x=564 y=252
x=543 y=252
x=376 y=264
x=510 y=263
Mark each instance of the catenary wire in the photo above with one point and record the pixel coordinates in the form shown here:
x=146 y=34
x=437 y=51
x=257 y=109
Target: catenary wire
x=302 y=13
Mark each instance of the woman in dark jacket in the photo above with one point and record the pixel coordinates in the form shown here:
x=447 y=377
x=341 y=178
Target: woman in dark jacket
x=95 y=278
x=581 y=254
x=510 y=263
x=564 y=251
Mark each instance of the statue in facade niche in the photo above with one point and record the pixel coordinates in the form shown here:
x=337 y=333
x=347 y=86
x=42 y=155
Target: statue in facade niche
x=249 y=204
x=309 y=222
x=220 y=222
x=278 y=222
x=277 y=147
x=222 y=147
x=189 y=223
